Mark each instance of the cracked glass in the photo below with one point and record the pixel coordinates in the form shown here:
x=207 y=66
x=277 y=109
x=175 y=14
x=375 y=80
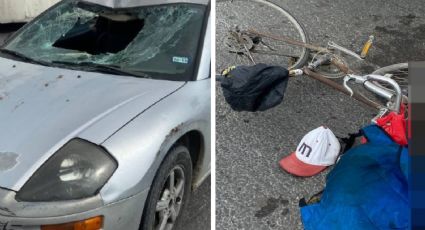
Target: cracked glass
x=159 y=41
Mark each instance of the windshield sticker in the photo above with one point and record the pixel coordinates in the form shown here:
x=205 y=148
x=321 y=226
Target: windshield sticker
x=182 y=60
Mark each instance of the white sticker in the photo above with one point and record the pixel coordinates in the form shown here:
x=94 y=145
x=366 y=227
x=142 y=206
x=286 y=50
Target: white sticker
x=183 y=60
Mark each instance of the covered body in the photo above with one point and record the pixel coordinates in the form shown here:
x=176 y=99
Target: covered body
x=367 y=189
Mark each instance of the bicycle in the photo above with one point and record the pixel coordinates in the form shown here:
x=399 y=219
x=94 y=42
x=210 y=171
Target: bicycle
x=257 y=40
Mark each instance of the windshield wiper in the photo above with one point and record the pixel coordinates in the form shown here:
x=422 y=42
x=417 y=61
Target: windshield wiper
x=24 y=58
x=111 y=69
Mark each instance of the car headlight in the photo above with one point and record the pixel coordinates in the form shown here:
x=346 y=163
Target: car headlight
x=78 y=170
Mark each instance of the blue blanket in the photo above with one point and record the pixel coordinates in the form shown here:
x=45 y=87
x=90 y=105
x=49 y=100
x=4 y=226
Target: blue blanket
x=367 y=189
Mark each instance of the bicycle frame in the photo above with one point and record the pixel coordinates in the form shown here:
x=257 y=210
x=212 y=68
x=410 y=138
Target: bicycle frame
x=328 y=56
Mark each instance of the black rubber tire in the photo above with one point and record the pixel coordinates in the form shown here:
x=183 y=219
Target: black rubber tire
x=178 y=155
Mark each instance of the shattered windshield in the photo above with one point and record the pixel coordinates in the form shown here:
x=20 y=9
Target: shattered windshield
x=159 y=41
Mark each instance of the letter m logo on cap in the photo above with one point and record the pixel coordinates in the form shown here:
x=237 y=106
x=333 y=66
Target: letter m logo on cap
x=305 y=148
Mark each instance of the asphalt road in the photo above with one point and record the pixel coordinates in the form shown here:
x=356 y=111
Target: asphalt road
x=252 y=191
x=197 y=215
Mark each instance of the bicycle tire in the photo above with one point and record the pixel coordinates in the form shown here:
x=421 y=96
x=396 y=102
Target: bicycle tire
x=301 y=32
x=400 y=72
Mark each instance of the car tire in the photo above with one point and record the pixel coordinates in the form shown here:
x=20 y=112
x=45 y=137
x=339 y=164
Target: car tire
x=178 y=162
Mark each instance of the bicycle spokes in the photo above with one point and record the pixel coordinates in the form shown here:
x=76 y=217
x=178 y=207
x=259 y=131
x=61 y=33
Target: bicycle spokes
x=235 y=19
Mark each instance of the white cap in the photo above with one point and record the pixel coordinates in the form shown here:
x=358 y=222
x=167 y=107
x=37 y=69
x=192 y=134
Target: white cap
x=318 y=149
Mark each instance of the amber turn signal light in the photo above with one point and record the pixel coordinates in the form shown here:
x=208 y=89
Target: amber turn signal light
x=95 y=223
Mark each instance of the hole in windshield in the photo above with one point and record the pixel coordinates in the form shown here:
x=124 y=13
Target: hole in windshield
x=161 y=41
x=102 y=34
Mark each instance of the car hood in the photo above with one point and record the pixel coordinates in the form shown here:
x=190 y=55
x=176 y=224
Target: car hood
x=42 y=108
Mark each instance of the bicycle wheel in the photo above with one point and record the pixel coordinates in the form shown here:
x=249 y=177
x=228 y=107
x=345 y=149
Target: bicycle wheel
x=399 y=73
x=266 y=17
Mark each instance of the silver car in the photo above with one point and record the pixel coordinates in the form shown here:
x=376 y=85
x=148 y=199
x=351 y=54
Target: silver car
x=105 y=115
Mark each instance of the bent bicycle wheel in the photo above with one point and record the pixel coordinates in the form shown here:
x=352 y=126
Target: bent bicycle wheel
x=399 y=73
x=236 y=47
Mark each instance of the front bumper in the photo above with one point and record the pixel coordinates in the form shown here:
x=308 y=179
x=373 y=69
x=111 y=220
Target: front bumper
x=123 y=214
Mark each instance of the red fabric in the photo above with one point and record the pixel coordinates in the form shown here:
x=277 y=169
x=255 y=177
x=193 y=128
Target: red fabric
x=395 y=125
x=293 y=165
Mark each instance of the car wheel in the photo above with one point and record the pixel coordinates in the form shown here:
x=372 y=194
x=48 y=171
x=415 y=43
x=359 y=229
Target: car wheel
x=169 y=192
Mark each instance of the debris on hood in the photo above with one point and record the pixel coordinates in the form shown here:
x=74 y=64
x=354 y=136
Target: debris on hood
x=8 y=161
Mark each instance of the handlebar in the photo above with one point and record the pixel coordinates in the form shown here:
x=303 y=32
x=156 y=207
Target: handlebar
x=365 y=80
x=378 y=90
